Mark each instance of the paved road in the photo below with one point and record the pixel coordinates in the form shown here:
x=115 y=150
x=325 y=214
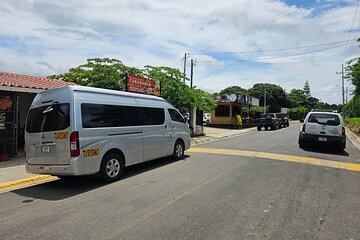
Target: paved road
x=213 y=194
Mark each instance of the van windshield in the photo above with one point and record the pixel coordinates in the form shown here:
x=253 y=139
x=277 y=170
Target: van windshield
x=324 y=119
x=48 y=118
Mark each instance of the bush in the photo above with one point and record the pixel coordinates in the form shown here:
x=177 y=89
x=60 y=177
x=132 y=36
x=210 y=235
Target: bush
x=353 y=124
x=297 y=113
x=352 y=108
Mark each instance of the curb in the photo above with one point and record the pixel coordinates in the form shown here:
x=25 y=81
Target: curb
x=208 y=139
x=16 y=184
x=355 y=140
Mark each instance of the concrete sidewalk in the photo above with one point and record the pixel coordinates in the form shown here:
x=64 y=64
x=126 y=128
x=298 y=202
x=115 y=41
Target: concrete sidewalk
x=13 y=174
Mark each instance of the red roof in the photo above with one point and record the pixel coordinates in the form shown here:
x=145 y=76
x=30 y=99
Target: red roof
x=25 y=81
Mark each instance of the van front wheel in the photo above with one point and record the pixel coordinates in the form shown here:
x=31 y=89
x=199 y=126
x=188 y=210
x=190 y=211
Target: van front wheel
x=178 y=152
x=112 y=167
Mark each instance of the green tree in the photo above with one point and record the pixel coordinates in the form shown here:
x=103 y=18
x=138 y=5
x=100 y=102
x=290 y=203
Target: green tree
x=275 y=96
x=99 y=72
x=180 y=95
x=297 y=98
x=110 y=73
x=307 y=89
x=233 y=89
x=353 y=74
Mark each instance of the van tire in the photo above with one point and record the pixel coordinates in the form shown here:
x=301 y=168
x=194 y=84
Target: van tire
x=112 y=167
x=258 y=128
x=179 y=149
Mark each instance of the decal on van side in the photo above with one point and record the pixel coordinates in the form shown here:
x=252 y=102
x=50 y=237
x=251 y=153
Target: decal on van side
x=91 y=152
x=61 y=135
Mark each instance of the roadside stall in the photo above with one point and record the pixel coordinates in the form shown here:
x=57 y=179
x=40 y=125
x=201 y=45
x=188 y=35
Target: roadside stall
x=228 y=107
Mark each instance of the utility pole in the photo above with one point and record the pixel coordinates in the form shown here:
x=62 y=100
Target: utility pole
x=342 y=83
x=342 y=78
x=265 y=100
x=347 y=94
x=191 y=73
x=184 y=66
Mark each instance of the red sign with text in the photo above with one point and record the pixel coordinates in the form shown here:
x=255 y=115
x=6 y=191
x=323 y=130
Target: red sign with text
x=142 y=85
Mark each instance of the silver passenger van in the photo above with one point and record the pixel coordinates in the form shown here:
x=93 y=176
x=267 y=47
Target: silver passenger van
x=78 y=130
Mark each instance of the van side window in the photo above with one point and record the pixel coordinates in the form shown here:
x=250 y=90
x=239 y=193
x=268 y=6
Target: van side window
x=99 y=115
x=175 y=116
x=153 y=116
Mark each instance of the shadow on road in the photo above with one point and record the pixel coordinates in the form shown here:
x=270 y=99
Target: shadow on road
x=325 y=150
x=72 y=186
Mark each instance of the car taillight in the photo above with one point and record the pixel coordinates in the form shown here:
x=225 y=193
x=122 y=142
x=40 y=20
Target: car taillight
x=74 y=144
x=303 y=128
x=343 y=131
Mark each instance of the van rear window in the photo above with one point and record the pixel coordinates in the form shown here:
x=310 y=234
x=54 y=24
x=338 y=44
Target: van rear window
x=48 y=118
x=324 y=119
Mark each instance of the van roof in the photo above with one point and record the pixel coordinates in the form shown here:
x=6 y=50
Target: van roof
x=112 y=92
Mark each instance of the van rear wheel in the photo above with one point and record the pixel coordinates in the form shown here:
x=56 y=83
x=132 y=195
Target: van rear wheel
x=179 y=149
x=112 y=167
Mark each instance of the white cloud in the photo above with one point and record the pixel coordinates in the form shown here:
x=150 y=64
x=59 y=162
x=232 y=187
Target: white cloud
x=42 y=37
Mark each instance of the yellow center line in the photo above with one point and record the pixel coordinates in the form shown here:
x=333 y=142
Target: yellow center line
x=280 y=157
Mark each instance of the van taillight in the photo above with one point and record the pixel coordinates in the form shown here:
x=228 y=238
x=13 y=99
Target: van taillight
x=303 y=128
x=343 y=131
x=74 y=144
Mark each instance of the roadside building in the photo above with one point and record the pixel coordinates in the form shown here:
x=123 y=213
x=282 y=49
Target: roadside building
x=228 y=106
x=17 y=92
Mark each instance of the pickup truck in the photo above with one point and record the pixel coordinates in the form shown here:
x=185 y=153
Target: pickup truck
x=268 y=120
x=283 y=119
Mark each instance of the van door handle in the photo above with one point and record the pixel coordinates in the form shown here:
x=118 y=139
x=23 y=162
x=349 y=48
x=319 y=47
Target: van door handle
x=166 y=127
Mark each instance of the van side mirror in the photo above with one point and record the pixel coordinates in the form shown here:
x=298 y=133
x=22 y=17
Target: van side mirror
x=186 y=119
x=301 y=120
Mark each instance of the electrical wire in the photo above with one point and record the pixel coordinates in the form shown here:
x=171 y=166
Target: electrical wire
x=279 y=49
x=280 y=57
x=346 y=50
x=256 y=27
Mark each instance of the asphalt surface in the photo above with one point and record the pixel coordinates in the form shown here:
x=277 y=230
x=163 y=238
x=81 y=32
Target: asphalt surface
x=204 y=196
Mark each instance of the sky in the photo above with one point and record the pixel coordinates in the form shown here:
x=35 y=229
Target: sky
x=232 y=42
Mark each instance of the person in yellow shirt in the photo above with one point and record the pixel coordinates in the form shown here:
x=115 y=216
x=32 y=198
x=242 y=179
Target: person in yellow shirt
x=239 y=121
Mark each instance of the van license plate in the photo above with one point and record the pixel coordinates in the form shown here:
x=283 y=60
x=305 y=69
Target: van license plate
x=45 y=149
x=322 y=139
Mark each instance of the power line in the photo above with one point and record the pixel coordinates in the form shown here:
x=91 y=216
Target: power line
x=279 y=49
x=280 y=57
x=346 y=52
x=256 y=27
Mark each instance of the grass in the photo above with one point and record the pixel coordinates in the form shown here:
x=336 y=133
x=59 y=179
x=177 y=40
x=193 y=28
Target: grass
x=353 y=124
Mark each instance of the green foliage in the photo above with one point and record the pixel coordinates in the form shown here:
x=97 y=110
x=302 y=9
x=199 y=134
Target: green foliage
x=296 y=98
x=98 y=72
x=233 y=89
x=353 y=124
x=297 y=113
x=275 y=96
x=307 y=89
x=110 y=74
x=352 y=107
x=353 y=74
x=180 y=95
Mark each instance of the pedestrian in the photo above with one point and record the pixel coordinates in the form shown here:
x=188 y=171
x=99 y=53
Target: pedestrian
x=239 y=121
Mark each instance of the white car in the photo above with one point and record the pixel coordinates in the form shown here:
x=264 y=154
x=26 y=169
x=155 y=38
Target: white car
x=325 y=128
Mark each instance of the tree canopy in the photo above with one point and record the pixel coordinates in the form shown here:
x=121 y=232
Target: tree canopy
x=233 y=89
x=307 y=89
x=275 y=95
x=110 y=74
